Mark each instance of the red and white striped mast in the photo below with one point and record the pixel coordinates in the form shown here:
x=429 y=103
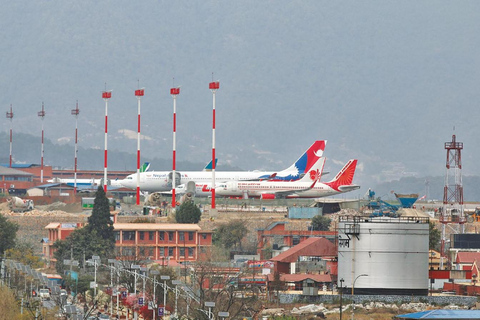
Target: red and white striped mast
x=75 y=112
x=10 y=117
x=41 y=114
x=174 y=92
x=106 y=95
x=213 y=86
x=139 y=93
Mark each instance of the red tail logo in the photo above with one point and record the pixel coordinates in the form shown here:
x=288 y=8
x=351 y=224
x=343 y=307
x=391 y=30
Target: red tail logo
x=315 y=175
x=344 y=177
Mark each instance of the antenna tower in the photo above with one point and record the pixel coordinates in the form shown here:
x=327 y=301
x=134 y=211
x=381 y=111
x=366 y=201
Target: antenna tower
x=10 y=117
x=213 y=86
x=174 y=92
x=106 y=95
x=75 y=112
x=41 y=114
x=452 y=210
x=139 y=93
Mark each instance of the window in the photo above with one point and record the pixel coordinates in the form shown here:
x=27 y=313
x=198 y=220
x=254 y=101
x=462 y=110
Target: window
x=161 y=252
x=182 y=252
x=151 y=235
x=191 y=252
x=127 y=251
x=295 y=240
x=128 y=235
x=117 y=235
x=161 y=235
x=190 y=236
x=141 y=251
x=142 y=235
x=150 y=252
x=170 y=236
x=181 y=236
x=170 y=251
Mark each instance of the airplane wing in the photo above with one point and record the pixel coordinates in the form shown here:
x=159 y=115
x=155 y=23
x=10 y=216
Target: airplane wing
x=264 y=177
x=286 y=193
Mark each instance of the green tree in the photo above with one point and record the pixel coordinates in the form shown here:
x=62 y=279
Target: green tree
x=100 y=220
x=231 y=234
x=434 y=237
x=8 y=304
x=8 y=234
x=80 y=244
x=188 y=212
x=321 y=223
x=23 y=252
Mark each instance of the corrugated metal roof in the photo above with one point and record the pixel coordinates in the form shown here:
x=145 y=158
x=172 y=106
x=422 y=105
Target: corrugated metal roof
x=13 y=172
x=442 y=314
x=19 y=165
x=53 y=185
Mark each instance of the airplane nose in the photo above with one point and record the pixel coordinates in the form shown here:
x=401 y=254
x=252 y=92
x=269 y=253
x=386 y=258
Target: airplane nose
x=126 y=183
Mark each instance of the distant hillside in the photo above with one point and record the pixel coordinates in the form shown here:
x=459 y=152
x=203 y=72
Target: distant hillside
x=471 y=188
x=27 y=149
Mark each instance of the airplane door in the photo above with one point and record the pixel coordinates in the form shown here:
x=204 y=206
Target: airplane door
x=178 y=178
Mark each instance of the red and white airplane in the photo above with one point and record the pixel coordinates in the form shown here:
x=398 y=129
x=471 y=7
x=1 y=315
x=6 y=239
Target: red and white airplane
x=157 y=181
x=307 y=187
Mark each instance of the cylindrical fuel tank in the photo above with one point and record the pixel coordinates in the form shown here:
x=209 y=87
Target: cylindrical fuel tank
x=383 y=255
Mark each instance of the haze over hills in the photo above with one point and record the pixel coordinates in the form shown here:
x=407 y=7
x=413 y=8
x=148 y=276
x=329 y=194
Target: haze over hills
x=383 y=81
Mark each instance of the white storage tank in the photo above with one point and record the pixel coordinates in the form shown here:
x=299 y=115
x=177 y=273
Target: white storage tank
x=383 y=255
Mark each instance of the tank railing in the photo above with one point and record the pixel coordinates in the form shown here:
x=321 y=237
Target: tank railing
x=351 y=228
x=358 y=219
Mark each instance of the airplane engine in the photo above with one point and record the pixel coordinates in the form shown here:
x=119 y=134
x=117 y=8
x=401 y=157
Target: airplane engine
x=267 y=196
x=154 y=199
x=190 y=188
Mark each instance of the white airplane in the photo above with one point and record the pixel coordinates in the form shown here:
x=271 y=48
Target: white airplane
x=307 y=187
x=91 y=182
x=158 y=181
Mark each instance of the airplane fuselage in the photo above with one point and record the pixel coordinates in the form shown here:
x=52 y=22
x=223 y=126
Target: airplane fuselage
x=157 y=181
x=262 y=188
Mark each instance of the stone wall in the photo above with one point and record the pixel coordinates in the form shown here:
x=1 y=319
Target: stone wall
x=390 y=299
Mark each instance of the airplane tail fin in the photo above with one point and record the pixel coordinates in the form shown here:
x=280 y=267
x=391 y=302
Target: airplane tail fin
x=344 y=177
x=208 y=167
x=145 y=167
x=309 y=158
x=315 y=171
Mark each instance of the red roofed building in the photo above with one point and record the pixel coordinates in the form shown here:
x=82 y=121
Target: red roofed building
x=316 y=248
x=276 y=237
x=465 y=259
x=297 y=281
x=56 y=231
x=160 y=242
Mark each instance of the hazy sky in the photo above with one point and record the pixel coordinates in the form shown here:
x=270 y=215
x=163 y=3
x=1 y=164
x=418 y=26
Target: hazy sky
x=383 y=81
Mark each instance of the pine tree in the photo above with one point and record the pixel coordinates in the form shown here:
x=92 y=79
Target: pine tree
x=8 y=234
x=188 y=212
x=100 y=220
